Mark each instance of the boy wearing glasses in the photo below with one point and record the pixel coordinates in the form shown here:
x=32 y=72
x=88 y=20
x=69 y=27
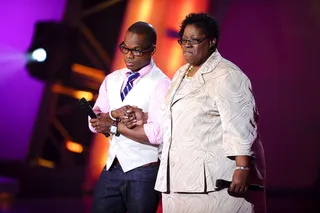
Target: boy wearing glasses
x=126 y=184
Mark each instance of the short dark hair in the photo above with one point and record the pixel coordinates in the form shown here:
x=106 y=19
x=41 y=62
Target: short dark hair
x=144 y=28
x=204 y=21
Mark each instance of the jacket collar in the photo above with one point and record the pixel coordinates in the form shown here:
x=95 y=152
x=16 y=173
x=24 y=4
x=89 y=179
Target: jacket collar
x=198 y=80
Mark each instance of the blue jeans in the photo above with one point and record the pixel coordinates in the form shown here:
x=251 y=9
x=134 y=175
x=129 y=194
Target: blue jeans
x=133 y=191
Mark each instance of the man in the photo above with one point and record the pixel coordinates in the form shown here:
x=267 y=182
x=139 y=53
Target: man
x=127 y=181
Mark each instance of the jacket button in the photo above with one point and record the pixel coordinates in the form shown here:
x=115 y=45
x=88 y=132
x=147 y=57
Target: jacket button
x=172 y=164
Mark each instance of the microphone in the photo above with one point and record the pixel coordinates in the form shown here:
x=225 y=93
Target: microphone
x=222 y=184
x=84 y=104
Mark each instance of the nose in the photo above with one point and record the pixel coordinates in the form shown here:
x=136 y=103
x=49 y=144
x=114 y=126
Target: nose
x=188 y=45
x=129 y=54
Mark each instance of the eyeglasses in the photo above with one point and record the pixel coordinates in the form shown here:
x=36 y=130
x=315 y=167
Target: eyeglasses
x=191 y=41
x=135 y=52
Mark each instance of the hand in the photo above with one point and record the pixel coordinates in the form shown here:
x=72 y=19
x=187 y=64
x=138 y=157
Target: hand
x=129 y=120
x=141 y=118
x=124 y=112
x=138 y=119
x=102 y=123
x=127 y=116
x=239 y=181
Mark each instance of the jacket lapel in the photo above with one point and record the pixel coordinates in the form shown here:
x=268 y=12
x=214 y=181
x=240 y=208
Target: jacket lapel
x=197 y=81
x=175 y=83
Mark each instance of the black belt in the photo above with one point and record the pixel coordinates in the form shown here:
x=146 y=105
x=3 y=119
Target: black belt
x=117 y=163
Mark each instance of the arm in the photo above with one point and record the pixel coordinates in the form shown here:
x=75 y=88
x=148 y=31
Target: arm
x=150 y=132
x=104 y=121
x=101 y=105
x=236 y=106
x=136 y=134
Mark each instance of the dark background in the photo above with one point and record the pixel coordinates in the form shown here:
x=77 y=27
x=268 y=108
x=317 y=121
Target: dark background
x=276 y=43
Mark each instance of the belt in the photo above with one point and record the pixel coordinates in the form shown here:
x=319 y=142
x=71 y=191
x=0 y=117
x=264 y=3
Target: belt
x=117 y=163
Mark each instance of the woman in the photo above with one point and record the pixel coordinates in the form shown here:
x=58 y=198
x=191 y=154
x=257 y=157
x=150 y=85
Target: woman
x=210 y=130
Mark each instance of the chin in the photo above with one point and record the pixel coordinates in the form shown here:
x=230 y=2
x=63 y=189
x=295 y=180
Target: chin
x=189 y=61
x=131 y=68
x=134 y=69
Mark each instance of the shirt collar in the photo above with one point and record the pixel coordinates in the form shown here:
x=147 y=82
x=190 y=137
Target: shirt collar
x=143 y=71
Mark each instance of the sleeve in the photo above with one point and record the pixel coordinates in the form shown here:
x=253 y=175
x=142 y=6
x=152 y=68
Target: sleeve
x=236 y=106
x=102 y=102
x=153 y=128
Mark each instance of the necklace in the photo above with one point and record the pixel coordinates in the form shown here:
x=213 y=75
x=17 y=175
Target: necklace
x=187 y=73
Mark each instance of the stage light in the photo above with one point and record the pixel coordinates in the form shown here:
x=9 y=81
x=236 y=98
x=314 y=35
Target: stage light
x=74 y=147
x=46 y=163
x=39 y=55
x=77 y=94
x=50 y=52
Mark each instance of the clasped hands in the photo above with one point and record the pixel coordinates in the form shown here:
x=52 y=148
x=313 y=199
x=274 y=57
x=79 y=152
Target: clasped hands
x=129 y=116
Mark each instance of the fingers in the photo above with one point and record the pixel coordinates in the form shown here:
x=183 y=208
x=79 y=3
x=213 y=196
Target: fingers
x=129 y=122
x=232 y=187
x=99 y=126
x=237 y=188
x=102 y=115
x=93 y=120
x=127 y=109
x=127 y=116
x=130 y=126
x=239 y=181
x=96 y=125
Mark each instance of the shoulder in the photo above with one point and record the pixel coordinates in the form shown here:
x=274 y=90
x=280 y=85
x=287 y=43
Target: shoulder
x=227 y=70
x=161 y=80
x=232 y=72
x=233 y=81
x=115 y=74
x=159 y=75
x=180 y=71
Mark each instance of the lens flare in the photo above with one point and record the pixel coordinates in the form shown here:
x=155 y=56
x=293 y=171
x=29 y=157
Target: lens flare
x=39 y=55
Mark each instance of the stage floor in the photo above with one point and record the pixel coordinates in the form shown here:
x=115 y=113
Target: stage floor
x=83 y=205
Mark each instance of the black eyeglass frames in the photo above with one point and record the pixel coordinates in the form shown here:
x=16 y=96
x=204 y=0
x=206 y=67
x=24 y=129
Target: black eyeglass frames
x=192 y=41
x=135 y=52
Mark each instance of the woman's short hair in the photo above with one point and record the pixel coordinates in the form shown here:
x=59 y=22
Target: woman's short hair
x=204 y=21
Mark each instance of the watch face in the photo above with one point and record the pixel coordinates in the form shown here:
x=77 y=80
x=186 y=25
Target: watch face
x=113 y=129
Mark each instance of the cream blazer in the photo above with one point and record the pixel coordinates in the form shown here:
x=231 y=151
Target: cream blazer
x=204 y=129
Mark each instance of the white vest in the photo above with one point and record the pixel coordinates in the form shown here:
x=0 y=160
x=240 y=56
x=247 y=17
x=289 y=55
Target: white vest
x=132 y=154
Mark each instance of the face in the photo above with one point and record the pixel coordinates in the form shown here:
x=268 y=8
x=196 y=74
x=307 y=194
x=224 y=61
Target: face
x=196 y=54
x=136 y=42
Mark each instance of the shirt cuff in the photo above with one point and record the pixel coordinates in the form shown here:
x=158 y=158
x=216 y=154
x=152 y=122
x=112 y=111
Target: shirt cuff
x=152 y=133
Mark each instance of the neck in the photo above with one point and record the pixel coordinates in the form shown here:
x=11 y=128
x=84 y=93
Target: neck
x=191 y=71
x=137 y=70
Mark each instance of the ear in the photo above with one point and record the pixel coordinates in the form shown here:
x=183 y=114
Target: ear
x=154 y=50
x=213 y=42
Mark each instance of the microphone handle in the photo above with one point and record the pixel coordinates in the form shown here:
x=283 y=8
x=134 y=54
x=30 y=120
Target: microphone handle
x=222 y=184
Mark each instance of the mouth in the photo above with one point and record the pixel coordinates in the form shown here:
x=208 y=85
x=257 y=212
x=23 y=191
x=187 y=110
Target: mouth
x=129 y=63
x=188 y=52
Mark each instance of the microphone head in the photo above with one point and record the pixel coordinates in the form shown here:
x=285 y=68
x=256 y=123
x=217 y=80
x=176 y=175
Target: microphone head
x=222 y=184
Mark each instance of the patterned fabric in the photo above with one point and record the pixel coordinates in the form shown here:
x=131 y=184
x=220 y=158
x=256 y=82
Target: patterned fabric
x=208 y=121
x=132 y=76
x=213 y=202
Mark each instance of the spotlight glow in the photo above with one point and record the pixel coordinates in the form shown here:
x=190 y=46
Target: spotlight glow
x=39 y=55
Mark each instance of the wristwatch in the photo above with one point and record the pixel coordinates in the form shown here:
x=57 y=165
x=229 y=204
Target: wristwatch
x=114 y=128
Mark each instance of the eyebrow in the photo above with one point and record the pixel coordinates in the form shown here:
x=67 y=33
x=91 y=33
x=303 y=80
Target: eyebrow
x=193 y=37
x=136 y=47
